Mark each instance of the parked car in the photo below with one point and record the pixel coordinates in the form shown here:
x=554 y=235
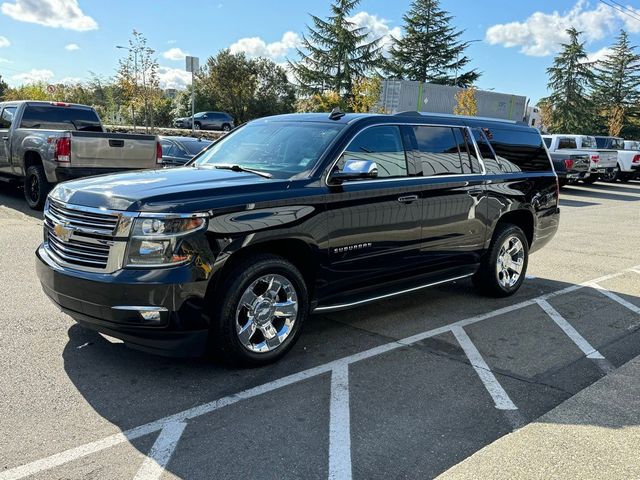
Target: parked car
x=49 y=142
x=603 y=161
x=570 y=167
x=179 y=150
x=628 y=159
x=207 y=121
x=295 y=214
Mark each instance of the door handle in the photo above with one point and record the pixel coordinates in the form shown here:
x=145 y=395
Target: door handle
x=408 y=199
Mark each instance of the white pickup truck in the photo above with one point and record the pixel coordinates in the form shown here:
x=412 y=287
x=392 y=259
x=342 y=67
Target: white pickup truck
x=628 y=166
x=603 y=160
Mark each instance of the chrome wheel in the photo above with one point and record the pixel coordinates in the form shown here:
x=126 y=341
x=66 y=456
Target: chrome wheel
x=266 y=313
x=510 y=262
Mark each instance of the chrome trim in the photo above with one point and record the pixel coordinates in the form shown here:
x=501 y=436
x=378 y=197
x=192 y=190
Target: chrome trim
x=342 y=306
x=464 y=127
x=131 y=308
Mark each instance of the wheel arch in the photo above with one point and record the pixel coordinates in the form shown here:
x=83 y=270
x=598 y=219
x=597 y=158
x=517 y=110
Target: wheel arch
x=522 y=218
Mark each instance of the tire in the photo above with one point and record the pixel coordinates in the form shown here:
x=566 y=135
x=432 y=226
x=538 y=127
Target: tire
x=562 y=182
x=196 y=126
x=591 y=179
x=611 y=177
x=245 y=298
x=226 y=127
x=36 y=187
x=489 y=279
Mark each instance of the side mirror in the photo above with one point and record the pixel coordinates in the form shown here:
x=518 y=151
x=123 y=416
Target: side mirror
x=356 y=170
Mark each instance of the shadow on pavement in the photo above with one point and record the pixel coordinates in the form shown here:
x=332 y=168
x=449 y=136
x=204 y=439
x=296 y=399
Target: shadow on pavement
x=12 y=196
x=129 y=388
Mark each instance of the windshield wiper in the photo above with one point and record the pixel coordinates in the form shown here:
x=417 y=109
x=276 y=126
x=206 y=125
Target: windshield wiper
x=239 y=168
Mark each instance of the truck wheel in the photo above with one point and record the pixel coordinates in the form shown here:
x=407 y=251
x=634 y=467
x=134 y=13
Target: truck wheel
x=226 y=127
x=260 y=313
x=196 y=126
x=611 y=176
x=591 y=179
x=503 y=267
x=36 y=187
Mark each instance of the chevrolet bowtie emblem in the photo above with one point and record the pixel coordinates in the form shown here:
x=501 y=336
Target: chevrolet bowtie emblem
x=63 y=232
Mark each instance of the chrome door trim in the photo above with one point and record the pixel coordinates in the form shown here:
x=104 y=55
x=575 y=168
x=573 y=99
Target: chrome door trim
x=343 y=306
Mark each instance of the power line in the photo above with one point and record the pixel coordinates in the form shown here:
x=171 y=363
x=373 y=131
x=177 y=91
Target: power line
x=624 y=11
x=628 y=9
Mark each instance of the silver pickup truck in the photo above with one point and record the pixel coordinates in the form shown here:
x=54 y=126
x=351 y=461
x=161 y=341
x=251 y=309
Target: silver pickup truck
x=42 y=143
x=603 y=160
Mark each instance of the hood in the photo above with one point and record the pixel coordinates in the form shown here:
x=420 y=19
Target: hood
x=170 y=190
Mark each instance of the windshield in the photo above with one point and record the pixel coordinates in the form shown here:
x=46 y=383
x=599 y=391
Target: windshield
x=194 y=147
x=283 y=149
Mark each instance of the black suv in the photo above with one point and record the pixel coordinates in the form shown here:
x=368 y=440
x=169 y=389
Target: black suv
x=295 y=214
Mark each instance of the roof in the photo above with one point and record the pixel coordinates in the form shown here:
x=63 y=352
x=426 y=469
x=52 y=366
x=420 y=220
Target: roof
x=184 y=139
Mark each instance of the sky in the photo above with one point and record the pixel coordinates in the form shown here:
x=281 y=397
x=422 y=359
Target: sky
x=513 y=42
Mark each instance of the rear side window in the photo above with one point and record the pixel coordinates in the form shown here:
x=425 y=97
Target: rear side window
x=490 y=162
x=52 y=117
x=438 y=150
x=566 y=142
x=519 y=150
x=382 y=145
x=547 y=141
x=6 y=118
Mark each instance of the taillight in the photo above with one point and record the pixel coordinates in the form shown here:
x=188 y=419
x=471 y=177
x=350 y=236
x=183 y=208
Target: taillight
x=568 y=163
x=59 y=104
x=158 y=152
x=636 y=159
x=63 y=150
x=595 y=158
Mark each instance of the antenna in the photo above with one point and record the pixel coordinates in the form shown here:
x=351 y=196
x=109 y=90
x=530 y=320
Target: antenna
x=336 y=114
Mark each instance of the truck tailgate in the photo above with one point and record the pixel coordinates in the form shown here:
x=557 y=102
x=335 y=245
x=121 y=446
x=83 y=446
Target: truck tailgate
x=112 y=150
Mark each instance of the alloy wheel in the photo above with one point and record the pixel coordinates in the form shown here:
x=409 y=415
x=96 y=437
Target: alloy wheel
x=510 y=262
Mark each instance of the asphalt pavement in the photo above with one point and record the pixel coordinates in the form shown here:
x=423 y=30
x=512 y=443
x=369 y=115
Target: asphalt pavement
x=410 y=387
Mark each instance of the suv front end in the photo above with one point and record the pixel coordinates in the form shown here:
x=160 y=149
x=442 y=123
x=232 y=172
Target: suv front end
x=135 y=276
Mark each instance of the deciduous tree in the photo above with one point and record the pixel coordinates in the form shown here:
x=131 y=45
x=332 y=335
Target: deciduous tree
x=466 y=102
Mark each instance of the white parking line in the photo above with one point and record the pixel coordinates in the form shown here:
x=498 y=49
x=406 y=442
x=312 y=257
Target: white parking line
x=571 y=332
x=615 y=297
x=339 y=425
x=500 y=397
x=161 y=452
x=72 y=454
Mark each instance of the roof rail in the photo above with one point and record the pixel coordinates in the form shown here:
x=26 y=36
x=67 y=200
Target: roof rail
x=450 y=115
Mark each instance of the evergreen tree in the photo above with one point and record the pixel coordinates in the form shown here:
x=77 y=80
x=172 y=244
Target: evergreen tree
x=335 y=52
x=615 y=85
x=430 y=50
x=572 y=109
x=3 y=87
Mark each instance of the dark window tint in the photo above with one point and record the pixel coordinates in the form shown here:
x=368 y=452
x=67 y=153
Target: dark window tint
x=566 y=142
x=52 y=117
x=465 y=150
x=547 y=141
x=519 y=150
x=438 y=151
x=168 y=149
x=491 y=164
x=6 y=119
x=194 y=146
x=381 y=145
x=589 y=142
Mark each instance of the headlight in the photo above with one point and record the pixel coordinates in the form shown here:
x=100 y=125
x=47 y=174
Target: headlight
x=158 y=241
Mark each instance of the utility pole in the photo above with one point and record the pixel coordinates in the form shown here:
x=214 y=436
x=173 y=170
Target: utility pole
x=193 y=65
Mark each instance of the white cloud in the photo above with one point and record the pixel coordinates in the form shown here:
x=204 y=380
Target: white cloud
x=71 y=47
x=34 y=76
x=175 y=54
x=4 y=42
x=174 y=78
x=599 y=55
x=4 y=60
x=257 y=47
x=377 y=27
x=542 y=33
x=50 y=13
x=71 y=80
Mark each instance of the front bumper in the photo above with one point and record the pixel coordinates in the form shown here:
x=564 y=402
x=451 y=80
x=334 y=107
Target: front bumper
x=114 y=304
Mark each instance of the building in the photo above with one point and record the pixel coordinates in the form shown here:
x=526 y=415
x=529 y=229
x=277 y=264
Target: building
x=404 y=95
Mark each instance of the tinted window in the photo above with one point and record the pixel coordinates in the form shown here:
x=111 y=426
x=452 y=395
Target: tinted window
x=491 y=164
x=6 y=119
x=589 y=142
x=381 y=145
x=566 y=142
x=465 y=151
x=194 y=146
x=547 y=141
x=617 y=144
x=52 y=117
x=519 y=150
x=284 y=149
x=168 y=149
x=438 y=151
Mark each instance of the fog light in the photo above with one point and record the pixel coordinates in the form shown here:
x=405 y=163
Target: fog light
x=151 y=316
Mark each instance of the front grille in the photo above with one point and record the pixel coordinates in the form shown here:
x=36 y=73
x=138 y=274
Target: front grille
x=85 y=239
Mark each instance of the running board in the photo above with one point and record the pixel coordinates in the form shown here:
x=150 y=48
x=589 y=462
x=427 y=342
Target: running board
x=344 y=306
